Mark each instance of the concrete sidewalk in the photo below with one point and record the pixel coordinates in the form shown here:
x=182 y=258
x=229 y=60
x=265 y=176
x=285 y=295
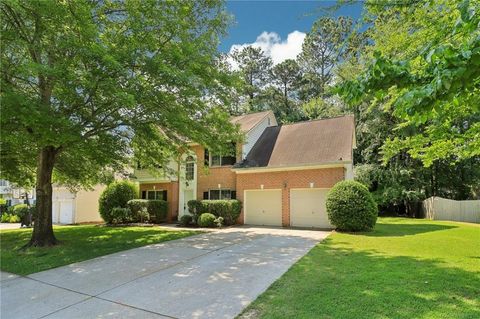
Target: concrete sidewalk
x=211 y=275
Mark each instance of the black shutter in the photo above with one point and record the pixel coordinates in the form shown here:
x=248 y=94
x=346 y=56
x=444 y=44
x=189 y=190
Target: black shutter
x=144 y=194
x=233 y=195
x=205 y=195
x=206 y=158
x=164 y=195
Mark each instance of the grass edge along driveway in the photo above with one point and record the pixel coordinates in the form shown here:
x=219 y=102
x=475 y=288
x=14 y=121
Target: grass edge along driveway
x=77 y=243
x=406 y=268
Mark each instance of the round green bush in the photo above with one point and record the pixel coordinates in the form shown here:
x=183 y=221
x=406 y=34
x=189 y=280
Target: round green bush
x=206 y=220
x=351 y=207
x=116 y=194
x=21 y=210
x=186 y=220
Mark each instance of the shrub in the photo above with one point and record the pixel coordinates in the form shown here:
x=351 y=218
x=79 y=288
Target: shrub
x=139 y=208
x=121 y=215
x=116 y=194
x=186 y=220
x=206 y=220
x=9 y=218
x=159 y=209
x=144 y=209
x=5 y=218
x=229 y=210
x=195 y=208
x=351 y=207
x=218 y=221
x=20 y=210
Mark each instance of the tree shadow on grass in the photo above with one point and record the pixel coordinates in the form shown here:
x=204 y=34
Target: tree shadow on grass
x=342 y=283
x=395 y=230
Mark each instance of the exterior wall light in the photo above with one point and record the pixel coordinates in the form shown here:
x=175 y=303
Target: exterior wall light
x=311 y=184
x=261 y=186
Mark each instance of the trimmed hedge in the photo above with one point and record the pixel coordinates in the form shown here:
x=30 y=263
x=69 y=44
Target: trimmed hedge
x=229 y=210
x=351 y=207
x=206 y=220
x=157 y=209
x=186 y=220
x=121 y=215
x=116 y=194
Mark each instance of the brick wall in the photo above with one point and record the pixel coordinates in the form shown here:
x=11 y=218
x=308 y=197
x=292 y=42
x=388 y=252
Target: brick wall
x=322 y=178
x=209 y=178
x=172 y=196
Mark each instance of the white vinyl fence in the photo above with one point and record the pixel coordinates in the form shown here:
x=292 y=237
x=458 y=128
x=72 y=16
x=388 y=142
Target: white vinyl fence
x=438 y=208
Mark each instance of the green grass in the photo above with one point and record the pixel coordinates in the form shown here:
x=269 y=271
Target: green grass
x=77 y=243
x=406 y=268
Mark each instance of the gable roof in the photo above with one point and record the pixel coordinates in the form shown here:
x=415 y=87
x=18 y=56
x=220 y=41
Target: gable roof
x=315 y=142
x=249 y=121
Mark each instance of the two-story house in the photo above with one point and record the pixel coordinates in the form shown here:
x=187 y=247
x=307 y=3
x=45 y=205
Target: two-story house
x=281 y=174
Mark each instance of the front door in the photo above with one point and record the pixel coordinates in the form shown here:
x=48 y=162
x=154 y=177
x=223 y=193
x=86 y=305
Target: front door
x=187 y=196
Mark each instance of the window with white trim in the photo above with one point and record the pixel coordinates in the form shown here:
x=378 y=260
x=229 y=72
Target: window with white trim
x=190 y=169
x=224 y=160
x=215 y=194
x=154 y=194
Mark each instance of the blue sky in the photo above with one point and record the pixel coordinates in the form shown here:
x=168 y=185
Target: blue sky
x=274 y=24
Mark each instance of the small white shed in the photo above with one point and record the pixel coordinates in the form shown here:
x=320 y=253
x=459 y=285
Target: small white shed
x=75 y=207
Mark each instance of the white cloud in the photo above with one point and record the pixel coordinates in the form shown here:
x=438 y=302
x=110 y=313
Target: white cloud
x=271 y=43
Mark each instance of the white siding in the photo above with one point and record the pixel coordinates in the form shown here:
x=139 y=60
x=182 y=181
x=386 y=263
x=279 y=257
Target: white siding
x=349 y=172
x=253 y=136
x=143 y=175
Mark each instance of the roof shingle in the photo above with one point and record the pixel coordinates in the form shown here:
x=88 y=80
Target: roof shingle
x=249 y=121
x=305 y=143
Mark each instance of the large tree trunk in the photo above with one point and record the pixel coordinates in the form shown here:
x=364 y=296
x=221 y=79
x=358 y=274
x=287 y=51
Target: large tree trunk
x=42 y=229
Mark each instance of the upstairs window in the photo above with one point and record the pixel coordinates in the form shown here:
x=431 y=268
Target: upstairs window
x=190 y=169
x=224 y=160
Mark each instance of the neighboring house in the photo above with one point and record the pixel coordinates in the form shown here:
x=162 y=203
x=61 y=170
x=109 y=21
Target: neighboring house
x=16 y=195
x=70 y=207
x=281 y=174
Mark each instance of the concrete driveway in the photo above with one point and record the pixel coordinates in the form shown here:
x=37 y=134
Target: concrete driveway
x=212 y=275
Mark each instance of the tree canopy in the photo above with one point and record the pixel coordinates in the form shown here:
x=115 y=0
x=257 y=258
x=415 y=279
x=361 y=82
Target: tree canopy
x=86 y=86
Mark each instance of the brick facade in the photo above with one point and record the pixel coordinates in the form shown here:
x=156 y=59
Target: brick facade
x=172 y=196
x=209 y=177
x=286 y=180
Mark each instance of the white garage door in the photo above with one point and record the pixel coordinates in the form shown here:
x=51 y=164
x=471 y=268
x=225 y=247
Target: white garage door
x=66 y=212
x=307 y=208
x=263 y=207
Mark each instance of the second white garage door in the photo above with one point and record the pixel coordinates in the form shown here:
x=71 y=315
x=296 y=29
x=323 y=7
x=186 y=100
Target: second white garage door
x=263 y=207
x=307 y=208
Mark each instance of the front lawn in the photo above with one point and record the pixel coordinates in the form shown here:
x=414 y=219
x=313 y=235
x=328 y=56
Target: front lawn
x=406 y=268
x=77 y=243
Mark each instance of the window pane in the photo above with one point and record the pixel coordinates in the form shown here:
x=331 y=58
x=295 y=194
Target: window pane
x=189 y=171
x=214 y=194
x=150 y=194
x=228 y=160
x=226 y=194
x=215 y=160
